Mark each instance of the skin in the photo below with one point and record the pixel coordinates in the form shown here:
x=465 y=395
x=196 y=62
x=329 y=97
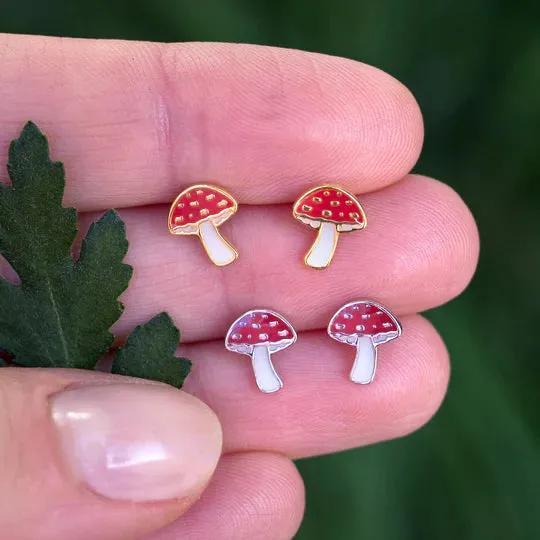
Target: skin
x=135 y=123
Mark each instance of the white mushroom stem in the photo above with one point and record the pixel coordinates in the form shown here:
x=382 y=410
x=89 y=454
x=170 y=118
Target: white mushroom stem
x=365 y=361
x=265 y=374
x=322 y=250
x=217 y=248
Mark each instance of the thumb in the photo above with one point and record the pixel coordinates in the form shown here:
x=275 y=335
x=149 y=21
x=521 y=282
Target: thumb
x=90 y=455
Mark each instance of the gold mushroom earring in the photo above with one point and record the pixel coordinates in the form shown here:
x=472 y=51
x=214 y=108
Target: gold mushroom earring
x=332 y=210
x=200 y=210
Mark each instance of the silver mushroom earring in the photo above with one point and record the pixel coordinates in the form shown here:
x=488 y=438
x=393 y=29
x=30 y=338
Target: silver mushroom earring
x=259 y=333
x=365 y=325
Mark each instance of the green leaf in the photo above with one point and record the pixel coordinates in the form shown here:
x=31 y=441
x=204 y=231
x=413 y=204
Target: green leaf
x=149 y=352
x=61 y=313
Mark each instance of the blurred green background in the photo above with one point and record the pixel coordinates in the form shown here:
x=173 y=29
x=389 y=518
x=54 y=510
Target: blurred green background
x=474 y=66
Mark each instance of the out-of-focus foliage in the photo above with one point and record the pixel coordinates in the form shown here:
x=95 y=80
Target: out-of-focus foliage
x=474 y=66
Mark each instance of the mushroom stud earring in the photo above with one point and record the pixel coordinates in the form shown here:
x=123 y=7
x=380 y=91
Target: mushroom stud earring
x=259 y=333
x=364 y=325
x=200 y=210
x=331 y=210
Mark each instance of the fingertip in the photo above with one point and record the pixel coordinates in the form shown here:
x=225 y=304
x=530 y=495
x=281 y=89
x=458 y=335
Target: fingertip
x=395 y=133
x=267 y=122
x=109 y=459
x=424 y=382
x=319 y=409
x=137 y=442
x=253 y=496
x=454 y=227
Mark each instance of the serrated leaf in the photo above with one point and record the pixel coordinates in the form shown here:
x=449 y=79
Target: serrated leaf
x=61 y=313
x=149 y=353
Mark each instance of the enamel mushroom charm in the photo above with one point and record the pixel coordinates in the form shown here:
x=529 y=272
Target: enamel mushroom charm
x=331 y=210
x=364 y=325
x=200 y=210
x=259 y=333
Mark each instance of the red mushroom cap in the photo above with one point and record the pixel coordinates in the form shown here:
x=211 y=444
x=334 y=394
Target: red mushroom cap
x=330 y=204
x=258 y=327
x=197 y=204
x=364 y=318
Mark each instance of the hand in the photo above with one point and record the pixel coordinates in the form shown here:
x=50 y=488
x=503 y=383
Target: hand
x=135 y=123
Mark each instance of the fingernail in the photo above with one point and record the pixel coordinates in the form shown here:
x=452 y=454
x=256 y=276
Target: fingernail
x=137 y=442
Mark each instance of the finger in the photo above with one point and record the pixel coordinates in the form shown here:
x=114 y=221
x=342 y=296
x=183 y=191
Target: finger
x=419 y=250
x=109 y=460
x=253 y=496
x=137 y=122
x=319 y=410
